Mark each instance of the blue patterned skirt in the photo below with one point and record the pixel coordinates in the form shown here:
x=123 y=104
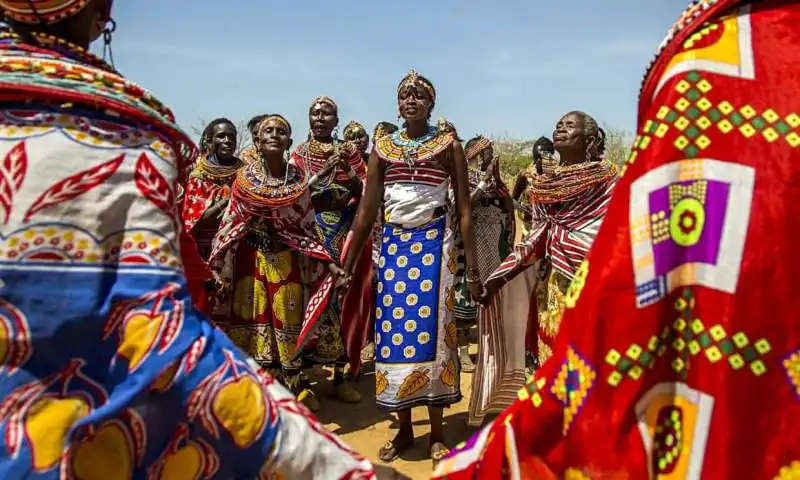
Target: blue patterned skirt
x=415 y=335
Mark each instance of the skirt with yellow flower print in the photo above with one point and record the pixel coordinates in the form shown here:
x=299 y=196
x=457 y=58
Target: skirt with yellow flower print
x=266 y=307
x=416 y=339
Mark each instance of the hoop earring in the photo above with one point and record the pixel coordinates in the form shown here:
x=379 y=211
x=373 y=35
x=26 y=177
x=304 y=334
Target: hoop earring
x=286 y=156
x=111 y=27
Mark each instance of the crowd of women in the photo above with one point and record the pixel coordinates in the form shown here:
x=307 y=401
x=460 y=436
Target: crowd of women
x=161 y=303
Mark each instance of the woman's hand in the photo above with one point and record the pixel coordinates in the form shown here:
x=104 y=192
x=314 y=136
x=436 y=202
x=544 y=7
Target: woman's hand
x=491 y=288
x=342 y=281
x=476 y=291
x=496 y=169
x=490 y=172
x=221 y=286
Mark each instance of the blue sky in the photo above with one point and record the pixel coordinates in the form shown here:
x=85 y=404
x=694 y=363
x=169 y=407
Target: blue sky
x=509 y=71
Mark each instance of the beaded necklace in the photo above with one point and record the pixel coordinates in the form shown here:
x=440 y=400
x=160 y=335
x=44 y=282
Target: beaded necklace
x=215 y=172
x=567 y=182
x=258 y=190
x=398 y=147
x=315 y=147
x=314 y=154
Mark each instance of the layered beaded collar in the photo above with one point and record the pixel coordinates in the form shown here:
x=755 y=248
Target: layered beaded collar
x=209 y=169
x=398 y=147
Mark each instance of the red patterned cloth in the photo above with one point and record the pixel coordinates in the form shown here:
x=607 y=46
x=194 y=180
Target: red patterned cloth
x=679 y=353
x=197 y=271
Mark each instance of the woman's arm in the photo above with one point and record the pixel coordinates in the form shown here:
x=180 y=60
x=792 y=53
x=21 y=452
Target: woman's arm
x=367 y=210
x=460 y=181
x=519 y=186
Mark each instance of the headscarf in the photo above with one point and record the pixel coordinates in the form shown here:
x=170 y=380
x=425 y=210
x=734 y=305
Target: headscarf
x=477 y=145
x=41 y=11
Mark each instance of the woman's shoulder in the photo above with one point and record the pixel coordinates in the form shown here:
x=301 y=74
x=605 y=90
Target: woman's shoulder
x=31 y=74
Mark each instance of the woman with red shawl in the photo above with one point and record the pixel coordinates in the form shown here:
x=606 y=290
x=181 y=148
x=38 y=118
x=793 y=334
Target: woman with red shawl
x=679 y=351
x=337 y=175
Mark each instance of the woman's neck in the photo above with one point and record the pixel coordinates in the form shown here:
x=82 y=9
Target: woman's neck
x=416 y=129
x=274 y=165
x=227 y=162
x=571 y=157
x=323 y=138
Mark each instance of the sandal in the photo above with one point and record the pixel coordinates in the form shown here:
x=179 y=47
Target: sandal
x=309 y=399
x=391 y=451
x=438 y=451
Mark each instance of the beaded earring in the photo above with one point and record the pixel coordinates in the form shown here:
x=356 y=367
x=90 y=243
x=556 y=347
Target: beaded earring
x=108 y=54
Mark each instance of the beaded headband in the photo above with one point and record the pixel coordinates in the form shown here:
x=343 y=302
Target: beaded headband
x=278 y=118
x=353 y=128
x=414 y=79
x=325 y=100
x=41 y=11
x=480 y=144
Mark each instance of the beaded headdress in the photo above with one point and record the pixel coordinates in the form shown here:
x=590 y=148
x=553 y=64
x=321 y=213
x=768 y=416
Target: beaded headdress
x=325 y=100
x=41 y=11
x=277 y=117
x=353 y=128
x=413 y=79
x=479 y=144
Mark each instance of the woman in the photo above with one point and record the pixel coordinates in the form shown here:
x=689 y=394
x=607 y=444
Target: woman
x=543 y=158
x=569 y=203
x=493 y=221
x=336 y=179
x=654 y=340
x=416 y=337
x=355 y=133
x=108 y=370
x=266 y=232
x=209 y=187
x=569 y=206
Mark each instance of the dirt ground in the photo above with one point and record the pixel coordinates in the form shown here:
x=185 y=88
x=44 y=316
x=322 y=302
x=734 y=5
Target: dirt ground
x=366 y=429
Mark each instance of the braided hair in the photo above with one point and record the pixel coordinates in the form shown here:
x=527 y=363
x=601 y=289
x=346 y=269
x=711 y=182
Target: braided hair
x=205 y=138
x=601 y=143
x=253 y=122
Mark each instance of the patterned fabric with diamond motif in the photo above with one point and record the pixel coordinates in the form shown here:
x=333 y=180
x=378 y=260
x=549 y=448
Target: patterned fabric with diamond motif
x=679 y=351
